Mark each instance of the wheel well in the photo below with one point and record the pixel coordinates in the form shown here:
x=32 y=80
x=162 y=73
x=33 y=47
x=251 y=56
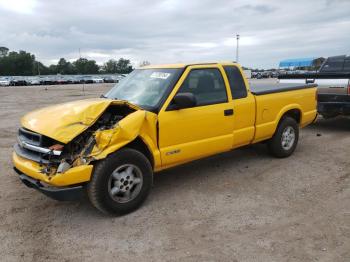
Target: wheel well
x=294 y=113
x=140 y=146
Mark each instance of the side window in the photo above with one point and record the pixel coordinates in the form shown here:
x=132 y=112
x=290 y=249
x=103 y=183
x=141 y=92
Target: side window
x=333 y=65
x=347 y=65
x=237 y=85
x=207 y=85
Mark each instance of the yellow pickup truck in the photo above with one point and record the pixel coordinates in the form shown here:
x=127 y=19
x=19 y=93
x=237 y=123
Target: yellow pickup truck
x=156 y=118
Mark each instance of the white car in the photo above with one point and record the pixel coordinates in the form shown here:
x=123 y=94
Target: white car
x=33 y=81
x=97 y=79
x=5 y=81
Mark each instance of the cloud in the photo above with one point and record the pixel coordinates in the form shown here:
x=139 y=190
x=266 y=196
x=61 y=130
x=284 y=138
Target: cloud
x=19 y=6
x=176 y=30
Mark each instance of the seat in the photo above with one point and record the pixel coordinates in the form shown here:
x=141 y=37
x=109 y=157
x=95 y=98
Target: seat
x=205 y=84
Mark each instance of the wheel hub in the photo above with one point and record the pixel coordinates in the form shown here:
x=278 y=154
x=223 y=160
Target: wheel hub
x=288 y=138
x=125 y=183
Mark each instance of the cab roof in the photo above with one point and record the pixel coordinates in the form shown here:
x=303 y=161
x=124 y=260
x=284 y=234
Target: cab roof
x=187 y=64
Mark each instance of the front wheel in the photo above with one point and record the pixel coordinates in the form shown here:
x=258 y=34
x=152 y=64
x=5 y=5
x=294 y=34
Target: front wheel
x=121 y=182
x=285 y=139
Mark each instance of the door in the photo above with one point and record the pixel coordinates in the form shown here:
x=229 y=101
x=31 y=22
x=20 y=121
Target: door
x=201 y=130
x=244 y=104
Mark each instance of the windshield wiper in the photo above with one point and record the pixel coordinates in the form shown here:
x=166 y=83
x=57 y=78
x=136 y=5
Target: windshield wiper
x=103 y=96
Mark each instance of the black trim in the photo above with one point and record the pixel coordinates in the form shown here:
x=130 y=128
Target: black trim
x=281 y=88
x=57 y=193
x=228 y=112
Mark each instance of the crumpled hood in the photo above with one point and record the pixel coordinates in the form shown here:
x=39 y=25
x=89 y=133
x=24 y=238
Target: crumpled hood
x=63 y=122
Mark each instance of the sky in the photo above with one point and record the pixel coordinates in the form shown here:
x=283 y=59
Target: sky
x=176 y=31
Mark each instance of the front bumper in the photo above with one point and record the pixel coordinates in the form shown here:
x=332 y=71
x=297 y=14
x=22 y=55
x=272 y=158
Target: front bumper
x=73 y=176
x=60 y=186
x=60 y=194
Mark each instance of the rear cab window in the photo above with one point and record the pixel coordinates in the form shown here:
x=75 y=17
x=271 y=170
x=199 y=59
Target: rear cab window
x=333 y=65
x=347 y=65
x=236 y=81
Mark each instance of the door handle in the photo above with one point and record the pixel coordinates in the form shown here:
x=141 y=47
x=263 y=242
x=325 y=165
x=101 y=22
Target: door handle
x=228 y=112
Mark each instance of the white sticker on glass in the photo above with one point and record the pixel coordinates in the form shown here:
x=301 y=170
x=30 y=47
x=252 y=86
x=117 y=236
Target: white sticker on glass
x=160 y=75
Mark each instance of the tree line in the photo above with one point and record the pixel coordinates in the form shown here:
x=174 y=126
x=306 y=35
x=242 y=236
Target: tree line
x=24 y=63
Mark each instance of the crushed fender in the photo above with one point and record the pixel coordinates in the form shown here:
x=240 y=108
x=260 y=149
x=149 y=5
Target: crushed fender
x=125 y=131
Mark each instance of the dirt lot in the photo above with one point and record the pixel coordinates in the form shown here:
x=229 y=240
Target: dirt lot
x=238 y=206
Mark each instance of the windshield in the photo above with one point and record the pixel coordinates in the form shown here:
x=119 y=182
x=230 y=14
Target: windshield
x=145 y=87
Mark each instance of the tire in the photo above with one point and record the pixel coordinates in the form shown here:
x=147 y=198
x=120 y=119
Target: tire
x=126 y=170
x=281 y=146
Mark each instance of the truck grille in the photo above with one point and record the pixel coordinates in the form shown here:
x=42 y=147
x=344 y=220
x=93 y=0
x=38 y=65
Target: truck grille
x=34 y=146
x=29 y=137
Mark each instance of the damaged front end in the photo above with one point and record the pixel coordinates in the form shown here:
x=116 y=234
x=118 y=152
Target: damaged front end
x=45 y=155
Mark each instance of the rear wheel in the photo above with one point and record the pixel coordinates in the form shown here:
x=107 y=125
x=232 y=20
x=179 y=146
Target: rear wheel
x=121 y=182
x=285 y=139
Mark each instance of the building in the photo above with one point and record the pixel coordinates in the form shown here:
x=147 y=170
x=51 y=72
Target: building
x=310 y=63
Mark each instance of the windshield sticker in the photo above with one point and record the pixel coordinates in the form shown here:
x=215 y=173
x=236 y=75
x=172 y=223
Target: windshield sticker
x=160 y=75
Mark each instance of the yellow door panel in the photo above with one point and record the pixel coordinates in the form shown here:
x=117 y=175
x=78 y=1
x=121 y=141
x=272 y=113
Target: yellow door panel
x=203 y=130
x=190 y=133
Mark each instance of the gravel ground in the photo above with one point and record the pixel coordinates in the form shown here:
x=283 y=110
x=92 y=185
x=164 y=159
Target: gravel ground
x=238 y=206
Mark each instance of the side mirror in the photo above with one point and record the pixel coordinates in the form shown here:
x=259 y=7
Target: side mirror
x=183 y=100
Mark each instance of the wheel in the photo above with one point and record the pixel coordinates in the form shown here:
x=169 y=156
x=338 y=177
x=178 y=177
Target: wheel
x=121 y=182
x=285 y=139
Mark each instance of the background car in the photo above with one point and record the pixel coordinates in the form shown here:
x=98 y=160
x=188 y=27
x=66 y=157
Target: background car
x=110 y=79
x=18 y=81
x=97 y=79
x=33 y=80
x=5 y=81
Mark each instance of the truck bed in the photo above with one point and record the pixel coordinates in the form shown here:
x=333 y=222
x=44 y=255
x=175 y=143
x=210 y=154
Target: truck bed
x=261 y=88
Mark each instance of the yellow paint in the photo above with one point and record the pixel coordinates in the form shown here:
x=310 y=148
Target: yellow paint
x=138 y=124
x=75 y=175
x=173 y=137
x=63 y=122
x=271 y=107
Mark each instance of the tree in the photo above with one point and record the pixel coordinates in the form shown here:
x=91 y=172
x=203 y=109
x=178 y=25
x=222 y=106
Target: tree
x=41 y=69
x=64 y=67
x=3 y=51
x=110 y=67
x=124 y=66
x=85 y=66
x=24 y=63
x=144 y=63
x=53 y=69
x=14 y=63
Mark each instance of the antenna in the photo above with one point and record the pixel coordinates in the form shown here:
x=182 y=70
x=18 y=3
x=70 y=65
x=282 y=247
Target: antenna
x=237 y=57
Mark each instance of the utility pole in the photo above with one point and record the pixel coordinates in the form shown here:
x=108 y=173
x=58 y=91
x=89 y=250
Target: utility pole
x=82 y=78
x=237 y=56
x=38 y=67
